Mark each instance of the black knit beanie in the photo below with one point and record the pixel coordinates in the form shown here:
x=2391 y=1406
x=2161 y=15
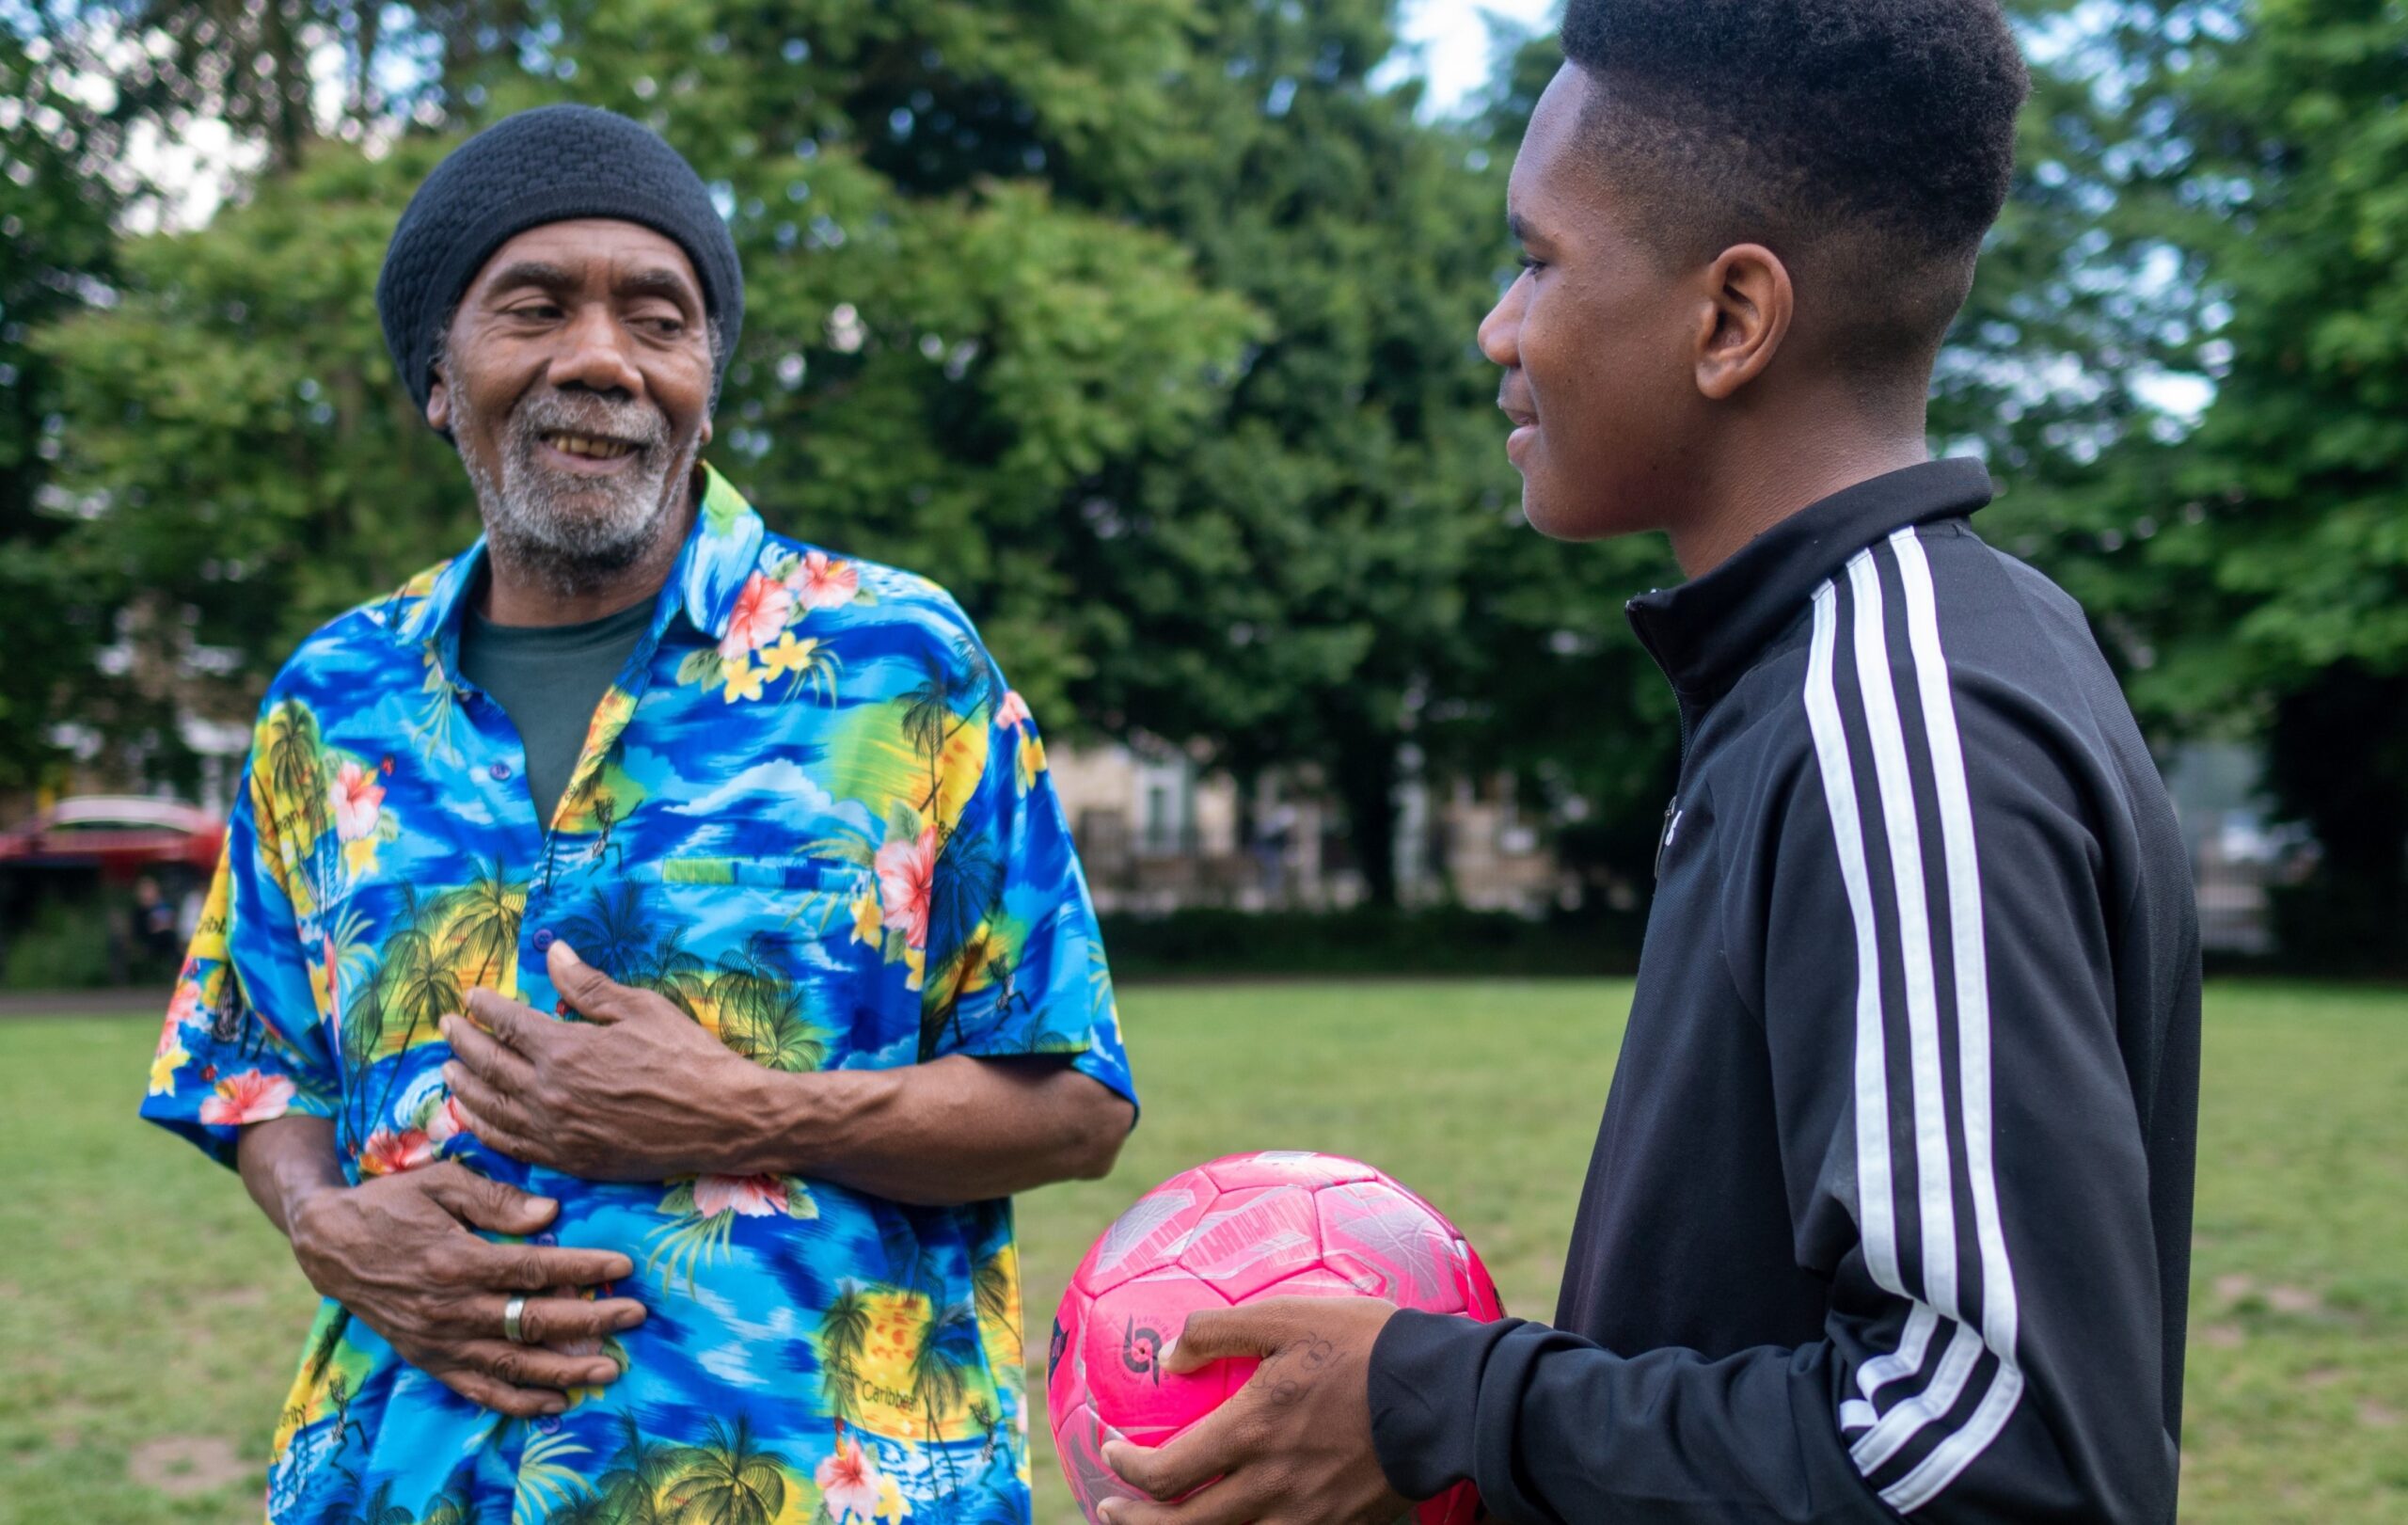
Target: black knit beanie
x=548 y=164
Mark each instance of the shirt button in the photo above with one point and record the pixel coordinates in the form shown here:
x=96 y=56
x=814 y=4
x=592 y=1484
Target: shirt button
x=544 y=940
x=500 y=770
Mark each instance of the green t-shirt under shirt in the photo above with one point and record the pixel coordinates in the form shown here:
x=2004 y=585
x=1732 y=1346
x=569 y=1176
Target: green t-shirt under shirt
x=549 y=679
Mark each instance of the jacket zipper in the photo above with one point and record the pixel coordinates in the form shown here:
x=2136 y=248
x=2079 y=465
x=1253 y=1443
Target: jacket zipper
x=1671 y=806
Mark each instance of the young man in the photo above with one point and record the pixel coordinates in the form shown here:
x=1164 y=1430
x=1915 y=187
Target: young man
x=1890 y=1212
x=737 y=1244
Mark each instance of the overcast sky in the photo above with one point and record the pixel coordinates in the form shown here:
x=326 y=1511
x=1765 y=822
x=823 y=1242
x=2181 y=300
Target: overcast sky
x=1452 y=38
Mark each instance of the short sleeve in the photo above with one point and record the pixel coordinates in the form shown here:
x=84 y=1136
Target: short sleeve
x=1016 y=962
x=242 y=1043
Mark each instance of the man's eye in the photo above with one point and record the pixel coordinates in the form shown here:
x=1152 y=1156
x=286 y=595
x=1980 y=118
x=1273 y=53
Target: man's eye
x=539 y=312
x=1527 y=262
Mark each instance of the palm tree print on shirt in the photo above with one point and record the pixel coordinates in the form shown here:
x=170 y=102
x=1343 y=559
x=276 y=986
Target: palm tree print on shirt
x=823 y=831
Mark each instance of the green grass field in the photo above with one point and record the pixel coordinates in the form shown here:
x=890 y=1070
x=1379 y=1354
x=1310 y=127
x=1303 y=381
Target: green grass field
x=149 y=1320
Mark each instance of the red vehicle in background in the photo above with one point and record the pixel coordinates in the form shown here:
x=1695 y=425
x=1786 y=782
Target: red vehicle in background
x=117 y=881
x=123 y=837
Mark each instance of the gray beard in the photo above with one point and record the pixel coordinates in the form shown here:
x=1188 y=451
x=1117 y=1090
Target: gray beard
x=572 y=533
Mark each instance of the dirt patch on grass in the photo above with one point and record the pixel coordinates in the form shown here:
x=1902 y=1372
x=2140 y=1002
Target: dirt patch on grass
x=182 y=1465
x=239 y=1298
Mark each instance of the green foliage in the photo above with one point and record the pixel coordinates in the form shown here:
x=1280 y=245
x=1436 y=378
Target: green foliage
x=2302 y=465
x=1561 y=692
x=1340 y=575
x=939 y=348
x=57 y=253
x=1147 y=325
x=2251 y=575
x=64 y=944
x=2261 y=148
x=252 y=467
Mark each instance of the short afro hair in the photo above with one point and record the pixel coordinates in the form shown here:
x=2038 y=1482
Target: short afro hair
x=1869 y=142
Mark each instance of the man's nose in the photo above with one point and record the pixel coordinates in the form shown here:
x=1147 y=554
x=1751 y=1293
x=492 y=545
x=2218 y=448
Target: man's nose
x=1500 y=332
x=596 y=355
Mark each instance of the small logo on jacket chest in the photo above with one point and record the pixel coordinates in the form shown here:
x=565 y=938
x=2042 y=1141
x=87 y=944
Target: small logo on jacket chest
x=1673 y=814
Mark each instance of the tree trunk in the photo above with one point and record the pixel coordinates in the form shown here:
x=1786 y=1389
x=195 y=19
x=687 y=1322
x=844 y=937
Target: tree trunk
x=1366 y=781
x=2338 y=759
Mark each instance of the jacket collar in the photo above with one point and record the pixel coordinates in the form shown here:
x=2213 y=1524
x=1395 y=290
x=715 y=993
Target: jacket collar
x=720 y=553
x=1707 y=631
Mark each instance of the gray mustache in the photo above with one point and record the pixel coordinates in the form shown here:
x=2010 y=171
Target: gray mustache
x=631 y=422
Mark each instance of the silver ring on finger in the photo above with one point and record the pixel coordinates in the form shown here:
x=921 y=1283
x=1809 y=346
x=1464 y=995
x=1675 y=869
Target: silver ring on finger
x=514 y=1315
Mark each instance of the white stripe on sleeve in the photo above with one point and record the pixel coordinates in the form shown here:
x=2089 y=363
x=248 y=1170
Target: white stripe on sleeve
x=1971 y=970
x=1881 y=1437
x=1873 y=1211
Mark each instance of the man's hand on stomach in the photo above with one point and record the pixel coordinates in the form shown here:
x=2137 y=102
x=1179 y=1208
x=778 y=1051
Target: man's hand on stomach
x=398 y=1252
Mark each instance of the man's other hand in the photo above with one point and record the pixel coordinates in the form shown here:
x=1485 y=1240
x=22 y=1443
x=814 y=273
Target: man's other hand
x=1293 y=1446
x=397 y=1251
x=638 y=1091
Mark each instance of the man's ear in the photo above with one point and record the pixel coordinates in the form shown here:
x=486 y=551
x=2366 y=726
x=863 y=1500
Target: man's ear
x=438 y=405
x=1747 y=313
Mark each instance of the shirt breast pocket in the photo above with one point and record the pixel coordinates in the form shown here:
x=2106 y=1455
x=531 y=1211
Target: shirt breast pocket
x=761 y=951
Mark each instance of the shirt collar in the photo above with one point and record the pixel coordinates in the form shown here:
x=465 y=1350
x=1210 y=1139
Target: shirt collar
x=1707 y=631
x=720 y=552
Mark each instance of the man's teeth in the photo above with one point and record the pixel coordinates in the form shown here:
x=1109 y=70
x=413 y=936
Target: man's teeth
x=600 y=450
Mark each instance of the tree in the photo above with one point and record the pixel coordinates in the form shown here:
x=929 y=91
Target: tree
x=728 y=1479
x=60 y=194
x=247 y=461
x=2250 y=576
x=761 y=1011
x=259 y=66
x=2295 y=492
x=844 y=1330
x=1291 y=590
x=950 y=328
x=1146 y=326
x=639 y=1470
x=2086 y=301
x=486 y=913
x=943 y=1357
x=940 y=348
x=1562 y=694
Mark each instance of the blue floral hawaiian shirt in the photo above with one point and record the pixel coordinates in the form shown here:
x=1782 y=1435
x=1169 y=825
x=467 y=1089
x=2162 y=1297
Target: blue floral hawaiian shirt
x=809 y=813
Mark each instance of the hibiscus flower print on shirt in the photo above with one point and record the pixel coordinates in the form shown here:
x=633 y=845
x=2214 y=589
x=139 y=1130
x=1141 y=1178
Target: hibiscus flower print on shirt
x=248 y=1098
x=358 y=799
x=848 y=1482
x=822 y=583
x=755 y=830
x=390 y=1152
x=762 y=610
x=906 y=880
x=752 y=1197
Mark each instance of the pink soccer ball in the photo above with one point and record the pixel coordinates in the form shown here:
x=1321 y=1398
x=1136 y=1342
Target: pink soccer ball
x=1242 y=1228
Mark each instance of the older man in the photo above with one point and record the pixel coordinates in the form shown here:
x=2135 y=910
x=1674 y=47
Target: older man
x=648 y=952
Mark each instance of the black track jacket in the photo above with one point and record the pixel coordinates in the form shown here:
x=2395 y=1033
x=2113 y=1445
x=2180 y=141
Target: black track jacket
x=1891 y=1210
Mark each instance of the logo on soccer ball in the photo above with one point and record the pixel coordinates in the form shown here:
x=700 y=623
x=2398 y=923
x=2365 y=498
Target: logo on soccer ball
x=1140 y=1351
